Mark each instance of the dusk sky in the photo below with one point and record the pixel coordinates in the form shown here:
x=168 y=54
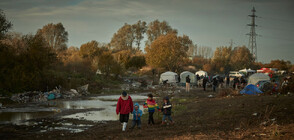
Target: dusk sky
x=209 y=23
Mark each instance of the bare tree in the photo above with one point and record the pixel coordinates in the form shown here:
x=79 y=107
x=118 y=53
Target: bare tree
x=55 y=35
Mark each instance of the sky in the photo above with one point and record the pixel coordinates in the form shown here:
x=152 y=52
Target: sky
x=210 y=23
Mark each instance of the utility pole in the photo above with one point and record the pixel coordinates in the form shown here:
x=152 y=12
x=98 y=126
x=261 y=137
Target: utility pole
x=252 y=35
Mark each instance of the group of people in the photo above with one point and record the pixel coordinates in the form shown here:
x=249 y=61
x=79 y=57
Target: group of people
x=217 y=82
x=125 y=106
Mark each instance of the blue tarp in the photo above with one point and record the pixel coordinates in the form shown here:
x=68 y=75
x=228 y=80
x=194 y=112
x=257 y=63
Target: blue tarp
x=51 y=96
x=250 y=90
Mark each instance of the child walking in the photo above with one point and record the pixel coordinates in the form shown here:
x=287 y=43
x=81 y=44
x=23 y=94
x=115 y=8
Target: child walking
x=137 y=113
x=124 y=107
x=151 y=105
x=166 y=110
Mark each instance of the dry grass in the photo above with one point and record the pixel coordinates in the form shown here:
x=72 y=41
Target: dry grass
x=227 y=92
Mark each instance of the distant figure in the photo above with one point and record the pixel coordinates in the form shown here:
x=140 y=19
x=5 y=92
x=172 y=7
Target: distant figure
x=221 y=82
x=214 y=84
x=198 y=79
x=228 y=81
x=236 y=82
x=124 y=107
x=243 y=82
x=164 y=82
x=188 y=84
x=275 y=86
x=179 y=79
x=205 y=80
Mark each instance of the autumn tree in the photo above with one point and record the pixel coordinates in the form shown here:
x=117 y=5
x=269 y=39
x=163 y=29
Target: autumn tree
x=136 y=62
x=139 y=30
x=199 y=61
x=210 y=68
x=221 y=58
x=55 y=35
x=292 y=69
x=167 y=51
x=241 y=58
x=5 y=25
x=90 y=49
x=107 y=65
x=29 y=66
x=15 y=41
x=279 y=64
x=205 y=52
x=156 y=29
x=123 y=39
x=122 y=57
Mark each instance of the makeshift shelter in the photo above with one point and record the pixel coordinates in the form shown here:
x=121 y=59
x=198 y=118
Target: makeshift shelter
x=251 y=90
x=265 y=70
x=202 y=73
x=171 y=77
x=247 y=70
x=192 y=76
x=254 y=78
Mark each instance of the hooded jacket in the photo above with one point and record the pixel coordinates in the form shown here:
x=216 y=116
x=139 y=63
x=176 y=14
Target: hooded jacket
x=137 y=112
x=166 y=107
x=124 y=105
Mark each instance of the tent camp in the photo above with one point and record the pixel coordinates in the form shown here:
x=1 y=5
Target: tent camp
x=172 y=77
x=247 y=70
x=250 y=90
x=202 y=73
x=254 y=78
x=183 y=76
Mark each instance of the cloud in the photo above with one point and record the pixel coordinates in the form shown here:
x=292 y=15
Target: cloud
x=89 y=8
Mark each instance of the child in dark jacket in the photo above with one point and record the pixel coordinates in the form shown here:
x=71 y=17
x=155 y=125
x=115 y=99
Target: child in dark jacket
x=166 y=110
x=137 y=113
x=151 y=105
x=124 y=107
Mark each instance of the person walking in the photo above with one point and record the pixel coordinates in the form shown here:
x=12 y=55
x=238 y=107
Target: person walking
x=188 y=80
x=214 y=84
x=228 y=81
x=205 y=80
x=124 y=107
x=166 y=110
x=151 y=104
x=137 y=114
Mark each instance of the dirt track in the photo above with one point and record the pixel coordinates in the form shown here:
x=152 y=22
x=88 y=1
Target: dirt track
x=196 y=117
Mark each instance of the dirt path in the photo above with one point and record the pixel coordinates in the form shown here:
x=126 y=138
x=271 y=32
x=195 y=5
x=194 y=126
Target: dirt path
x=196 y=116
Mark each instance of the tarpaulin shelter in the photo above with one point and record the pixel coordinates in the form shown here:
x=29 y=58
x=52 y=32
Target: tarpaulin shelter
x=171 y=77
x=251 y=90
x=254 y=78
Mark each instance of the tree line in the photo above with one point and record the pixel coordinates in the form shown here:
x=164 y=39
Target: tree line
x=43 y=60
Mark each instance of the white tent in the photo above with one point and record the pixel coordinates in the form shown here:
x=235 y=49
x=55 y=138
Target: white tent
x=172 y=77
x=202 y=73
x=184 y=74
x=254 y=78
x=247 y=70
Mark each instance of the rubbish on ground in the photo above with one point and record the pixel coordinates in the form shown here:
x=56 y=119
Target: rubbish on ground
x=210 y=96
x=38 y=96
x=83 y=89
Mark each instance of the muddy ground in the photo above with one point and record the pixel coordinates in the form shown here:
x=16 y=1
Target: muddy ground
x=196 y=116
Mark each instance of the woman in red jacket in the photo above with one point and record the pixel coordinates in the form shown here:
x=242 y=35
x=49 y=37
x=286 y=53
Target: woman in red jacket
x=124 y=107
